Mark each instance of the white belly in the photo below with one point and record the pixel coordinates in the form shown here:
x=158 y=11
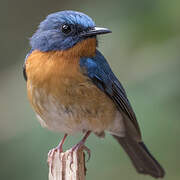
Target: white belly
x=58 y=118
x=75 y=118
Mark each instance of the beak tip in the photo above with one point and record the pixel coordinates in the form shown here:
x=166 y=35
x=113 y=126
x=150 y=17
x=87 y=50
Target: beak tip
x=100 y=30
x=97 y=31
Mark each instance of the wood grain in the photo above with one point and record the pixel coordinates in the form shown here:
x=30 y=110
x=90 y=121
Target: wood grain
x=62 y=169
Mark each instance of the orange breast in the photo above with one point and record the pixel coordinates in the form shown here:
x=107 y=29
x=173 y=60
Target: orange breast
x=63 y=97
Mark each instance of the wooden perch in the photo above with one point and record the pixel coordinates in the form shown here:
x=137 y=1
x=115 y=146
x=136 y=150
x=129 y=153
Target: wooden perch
x=62 y=169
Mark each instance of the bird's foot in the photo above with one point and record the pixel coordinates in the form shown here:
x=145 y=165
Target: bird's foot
x=75 y=149
x=79 y=146
x=51 y=153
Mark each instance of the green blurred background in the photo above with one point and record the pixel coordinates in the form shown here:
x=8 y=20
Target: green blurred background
x=143 y=51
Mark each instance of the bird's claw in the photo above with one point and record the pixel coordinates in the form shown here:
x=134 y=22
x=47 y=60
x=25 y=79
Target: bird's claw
x=52 y=152
x=51 y=155
x=88 y=152
x=75 y=149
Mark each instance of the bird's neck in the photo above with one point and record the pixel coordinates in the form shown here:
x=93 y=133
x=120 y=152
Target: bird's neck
x=85 y=48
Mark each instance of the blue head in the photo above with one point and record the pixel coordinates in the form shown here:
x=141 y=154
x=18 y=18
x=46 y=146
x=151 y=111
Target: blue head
x=62 y=30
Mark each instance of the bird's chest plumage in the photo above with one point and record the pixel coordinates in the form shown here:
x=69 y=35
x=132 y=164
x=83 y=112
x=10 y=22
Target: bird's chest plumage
x=63 y=98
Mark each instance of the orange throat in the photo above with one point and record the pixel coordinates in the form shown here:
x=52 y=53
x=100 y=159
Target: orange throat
x=85 y=48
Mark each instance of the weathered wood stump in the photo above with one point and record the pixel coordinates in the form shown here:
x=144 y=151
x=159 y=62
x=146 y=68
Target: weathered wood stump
x=67 y=166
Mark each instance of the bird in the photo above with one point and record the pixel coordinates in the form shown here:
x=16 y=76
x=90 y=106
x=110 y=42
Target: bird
x=73 y=89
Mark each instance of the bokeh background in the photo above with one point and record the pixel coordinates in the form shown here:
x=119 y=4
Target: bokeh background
x=143 y=51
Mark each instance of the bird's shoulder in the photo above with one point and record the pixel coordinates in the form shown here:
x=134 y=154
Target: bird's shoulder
x=98 y=69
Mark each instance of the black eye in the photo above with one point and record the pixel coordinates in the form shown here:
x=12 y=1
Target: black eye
x=66 y=28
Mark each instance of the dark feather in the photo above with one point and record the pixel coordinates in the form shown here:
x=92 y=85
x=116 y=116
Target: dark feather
x=24 y=65
x=141 y=158
x=24 y=71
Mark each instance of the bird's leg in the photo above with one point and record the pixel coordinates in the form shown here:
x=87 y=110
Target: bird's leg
x=52 y=152
x=79 y=145
x=59 y=147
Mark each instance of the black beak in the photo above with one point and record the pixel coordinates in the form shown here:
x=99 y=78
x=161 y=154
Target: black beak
x=95 y=31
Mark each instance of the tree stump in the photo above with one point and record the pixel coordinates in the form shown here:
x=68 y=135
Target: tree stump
x=64 y=168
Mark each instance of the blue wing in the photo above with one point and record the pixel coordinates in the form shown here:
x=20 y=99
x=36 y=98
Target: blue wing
x=100 y=73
